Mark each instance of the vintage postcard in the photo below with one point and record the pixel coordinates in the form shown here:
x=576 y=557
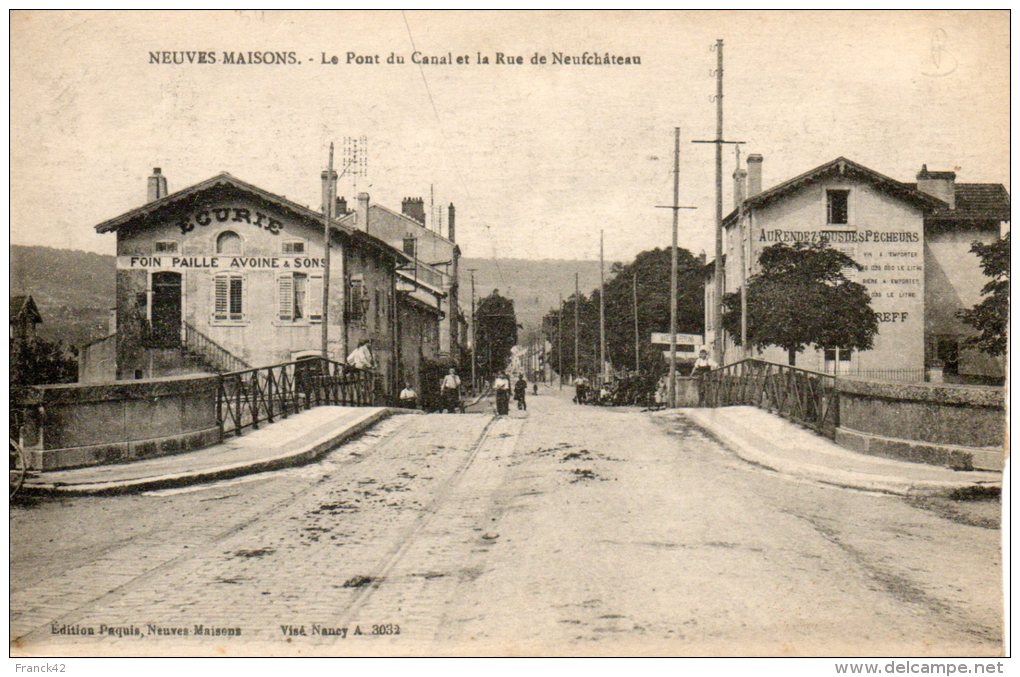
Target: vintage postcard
x=509 y=333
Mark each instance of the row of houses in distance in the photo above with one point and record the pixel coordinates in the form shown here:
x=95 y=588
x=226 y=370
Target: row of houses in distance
x=913 y=240
x=224 y=275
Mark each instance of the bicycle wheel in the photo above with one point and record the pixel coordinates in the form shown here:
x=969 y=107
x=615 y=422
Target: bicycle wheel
x=18 y=468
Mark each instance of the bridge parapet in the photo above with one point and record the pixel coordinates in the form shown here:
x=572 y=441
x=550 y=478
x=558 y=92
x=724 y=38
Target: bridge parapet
x=958 y=426
x=86 y=424
x=82 y=424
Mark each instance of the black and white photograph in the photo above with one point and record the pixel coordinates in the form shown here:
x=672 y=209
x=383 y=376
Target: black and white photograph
x=437 y=333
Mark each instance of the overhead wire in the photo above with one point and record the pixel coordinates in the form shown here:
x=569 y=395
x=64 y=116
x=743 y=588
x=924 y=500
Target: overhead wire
x=442 y=135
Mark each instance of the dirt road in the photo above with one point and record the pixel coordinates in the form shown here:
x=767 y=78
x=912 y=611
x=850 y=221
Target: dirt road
x=562 y=530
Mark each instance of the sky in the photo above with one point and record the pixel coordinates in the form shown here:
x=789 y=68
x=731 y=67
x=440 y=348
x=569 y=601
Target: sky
x=538 y=159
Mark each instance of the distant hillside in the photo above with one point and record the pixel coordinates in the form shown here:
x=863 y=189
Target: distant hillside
x=534 y=285
x=73 y=289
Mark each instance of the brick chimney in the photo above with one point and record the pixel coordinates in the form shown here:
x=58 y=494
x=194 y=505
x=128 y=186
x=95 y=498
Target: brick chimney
x=341 y=206
x=754 y=161
x=451 y=227
x=326 y=189
x=362 y=216
x=739 y=187
x=938 y=184
x=415 y=208
x=157 y=185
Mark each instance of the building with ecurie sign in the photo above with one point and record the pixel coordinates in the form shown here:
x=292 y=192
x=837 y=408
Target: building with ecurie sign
x=913 y=240
x=223 y=275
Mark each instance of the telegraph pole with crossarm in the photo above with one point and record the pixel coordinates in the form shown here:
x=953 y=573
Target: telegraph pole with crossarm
x=717 y=310
x=673 y=265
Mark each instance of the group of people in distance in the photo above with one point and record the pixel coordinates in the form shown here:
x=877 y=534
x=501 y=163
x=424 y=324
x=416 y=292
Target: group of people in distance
x=628 y=388
x=633 y=387
x=450 y=399
x=449 y=394
x=501 y=387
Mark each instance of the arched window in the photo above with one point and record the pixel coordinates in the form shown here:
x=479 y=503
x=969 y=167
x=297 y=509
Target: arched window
x=228 y=242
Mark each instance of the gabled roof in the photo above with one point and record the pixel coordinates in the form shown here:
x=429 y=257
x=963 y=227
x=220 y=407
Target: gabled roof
x=225 y=184
x=850 y=169
x=24 y=304
x=974 y=202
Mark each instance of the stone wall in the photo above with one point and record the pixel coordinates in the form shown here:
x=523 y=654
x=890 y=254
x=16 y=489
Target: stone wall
x=68 y=426
x=97 y=361
x=962 y=427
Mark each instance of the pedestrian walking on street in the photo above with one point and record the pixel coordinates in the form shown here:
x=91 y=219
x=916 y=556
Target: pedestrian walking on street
x=449 y=392
x=520 y=391
x=501 y=386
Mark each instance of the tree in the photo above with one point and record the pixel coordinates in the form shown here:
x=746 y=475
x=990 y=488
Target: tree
x=991 y=315
x=802 y=297
x=496 y=331
x=652 y=269
x=38 y=361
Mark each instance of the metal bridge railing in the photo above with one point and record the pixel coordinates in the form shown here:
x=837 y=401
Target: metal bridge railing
x=807 y=397
x=251 y=397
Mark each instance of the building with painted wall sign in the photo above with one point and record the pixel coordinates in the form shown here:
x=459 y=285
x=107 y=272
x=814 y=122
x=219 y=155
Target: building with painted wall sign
x=223 y=275
x=913 y=240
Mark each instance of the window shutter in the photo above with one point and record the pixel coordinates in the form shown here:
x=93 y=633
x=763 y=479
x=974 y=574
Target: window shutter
x=286 y=296
x=220 y=298
x=365 y=303
x=236 y=298
x=314 y=300
x=243 y=297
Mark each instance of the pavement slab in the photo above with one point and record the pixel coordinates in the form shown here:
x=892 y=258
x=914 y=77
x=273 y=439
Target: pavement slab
x=781 y=445
x=297 y=439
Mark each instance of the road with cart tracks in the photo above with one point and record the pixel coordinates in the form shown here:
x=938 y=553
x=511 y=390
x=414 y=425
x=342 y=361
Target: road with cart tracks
x=564 y=529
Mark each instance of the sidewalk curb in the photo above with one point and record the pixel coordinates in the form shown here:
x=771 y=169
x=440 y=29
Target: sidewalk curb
x=885 y=484
x=288 y=459
x=481 y=396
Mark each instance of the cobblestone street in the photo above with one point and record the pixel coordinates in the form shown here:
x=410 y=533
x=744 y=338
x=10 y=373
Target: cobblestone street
x=563 y=529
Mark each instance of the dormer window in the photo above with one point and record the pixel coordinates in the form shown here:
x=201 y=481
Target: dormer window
x=838 y=206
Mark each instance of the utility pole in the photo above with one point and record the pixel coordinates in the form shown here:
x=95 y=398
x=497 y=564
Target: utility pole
x=559 y=341
x=577 y=336
x=673 y=266
x=474 y=334
x=602 y=310
x=717 y=310
x=746 y=264
x=327 y=210
x=637 y=336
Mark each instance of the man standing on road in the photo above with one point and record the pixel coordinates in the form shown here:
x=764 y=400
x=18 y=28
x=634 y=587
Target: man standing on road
x=520 y=392
x=702 y=366
x=408 y=397
x=502 y=388
x=450 y=392
x=579 y=390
